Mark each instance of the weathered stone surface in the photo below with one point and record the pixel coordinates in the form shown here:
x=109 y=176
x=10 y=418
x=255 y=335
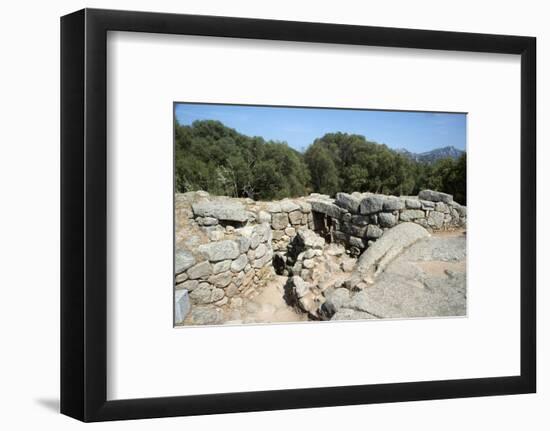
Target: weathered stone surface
x=371 y=204
x=358 y=231
x=232 y=289
x=350 y=314
x=347 y=265
x=255 y=240
x=338 y=297
x=222 y=266
x=290 y=231
x=221 y=250
x=360 y=220
x=386 y=248
x=222 y=301
x=308 y=263
x=274 y=207
x=431 y=195
x=278 y=234
x=387 y=219
x=221 y=280
x=309 y=239
x=308 y=254
x=441 y=207
x=393 y=204
x=413 y=204
x=408 y=288
x=188 y=285
x=206 y=316
x=180 y=278
x=339 y=236
x=348 y=202
x=244 y=244
x=264 y=217
x=264 y=231
x=326 y=207
x=295 y=217
x=427 y=205
x=238 y=264
x=422 y=222
x=409 y=215
x=356 y=242
x=236 y=302
x=222 y=209
x=207 y=221
x=206 y=294
x=289 y=206
x=301 y=288
x=184 y=260
x=216 y=235
x=261 y=262
x=459 y=208
x=305 y=207
x=201 y=269
x=279 y=221
x=182 y=305
x=260 y=251
x=374 y=232
x=435 y=219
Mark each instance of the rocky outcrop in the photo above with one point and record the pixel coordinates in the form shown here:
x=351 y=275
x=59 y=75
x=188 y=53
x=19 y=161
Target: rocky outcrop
x=223 y=210
x=427 y=279
x=375 y=259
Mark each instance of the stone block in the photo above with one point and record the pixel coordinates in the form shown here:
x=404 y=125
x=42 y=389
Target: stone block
x=201 y=269
x=371 y=204
x=182 y=305
x=184 y=260
x=431 y=195
x=221 y=250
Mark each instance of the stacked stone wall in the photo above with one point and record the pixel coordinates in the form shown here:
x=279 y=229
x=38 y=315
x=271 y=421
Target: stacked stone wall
x=225 y=247
x=358 y=219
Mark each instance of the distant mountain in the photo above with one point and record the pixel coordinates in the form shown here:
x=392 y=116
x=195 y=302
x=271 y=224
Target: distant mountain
x=433 y=155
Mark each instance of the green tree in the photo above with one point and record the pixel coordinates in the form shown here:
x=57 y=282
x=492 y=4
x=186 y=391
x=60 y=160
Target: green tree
x=323 y=171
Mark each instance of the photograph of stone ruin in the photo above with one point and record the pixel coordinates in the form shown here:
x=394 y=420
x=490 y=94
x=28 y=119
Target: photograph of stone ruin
x=310 y=214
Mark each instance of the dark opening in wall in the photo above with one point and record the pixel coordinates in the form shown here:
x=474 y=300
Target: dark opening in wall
x=322 y=225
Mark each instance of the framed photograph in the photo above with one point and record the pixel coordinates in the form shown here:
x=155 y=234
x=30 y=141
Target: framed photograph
x=261 y=215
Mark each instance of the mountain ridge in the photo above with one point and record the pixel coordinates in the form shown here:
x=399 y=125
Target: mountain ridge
x=434 y=155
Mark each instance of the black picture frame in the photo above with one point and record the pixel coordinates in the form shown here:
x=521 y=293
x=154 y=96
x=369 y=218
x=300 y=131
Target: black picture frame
x=84 y=214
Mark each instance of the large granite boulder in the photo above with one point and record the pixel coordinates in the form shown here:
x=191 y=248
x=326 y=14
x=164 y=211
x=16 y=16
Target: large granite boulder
x=184 y=260
x=307 y=239
x=371 y=204
x=431 y=195
x=373 y=261
x=222 y=209
x=221 y=250
x=326 y=206
x=182 y=305
x=347 y=202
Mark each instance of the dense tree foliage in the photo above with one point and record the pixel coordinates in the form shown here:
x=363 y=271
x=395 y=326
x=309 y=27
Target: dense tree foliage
x=360 y=166
x=445 y=175
x=212 y=157
x=215 y=158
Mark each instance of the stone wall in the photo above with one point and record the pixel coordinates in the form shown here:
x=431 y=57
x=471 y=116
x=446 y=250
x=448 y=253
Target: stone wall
x=223 y=255
x=357 y=219
x=287 y=217
x=225 y=247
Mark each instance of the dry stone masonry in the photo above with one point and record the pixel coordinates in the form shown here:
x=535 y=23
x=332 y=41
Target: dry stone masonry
x=228 y=249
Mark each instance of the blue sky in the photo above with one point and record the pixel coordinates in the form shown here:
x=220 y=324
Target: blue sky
x=414 y=131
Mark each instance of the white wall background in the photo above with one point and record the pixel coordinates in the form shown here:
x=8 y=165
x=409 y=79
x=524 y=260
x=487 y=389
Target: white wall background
x=29 y=216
